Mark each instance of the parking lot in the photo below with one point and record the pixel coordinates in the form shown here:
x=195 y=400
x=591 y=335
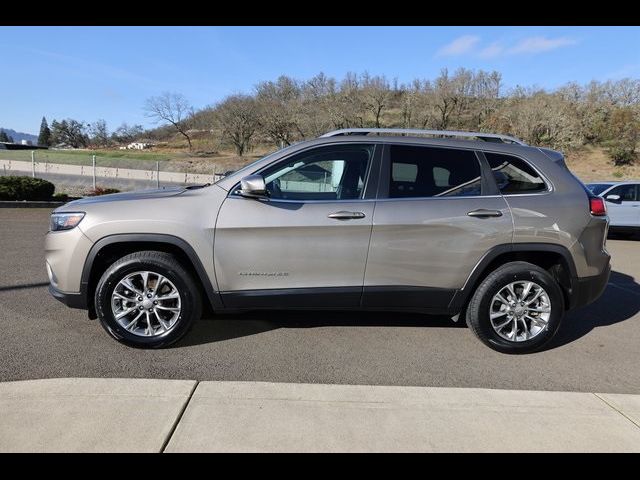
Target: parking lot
x=596 y=349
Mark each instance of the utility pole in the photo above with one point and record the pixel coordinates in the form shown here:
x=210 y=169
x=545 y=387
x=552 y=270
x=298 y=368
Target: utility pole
x=33 y=163
x=93 y=161
x=158 y=174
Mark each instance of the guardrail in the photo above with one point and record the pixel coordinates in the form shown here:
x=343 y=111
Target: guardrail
x=8 y=167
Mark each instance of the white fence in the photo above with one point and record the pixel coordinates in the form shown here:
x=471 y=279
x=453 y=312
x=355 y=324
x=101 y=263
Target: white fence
x=39 y=168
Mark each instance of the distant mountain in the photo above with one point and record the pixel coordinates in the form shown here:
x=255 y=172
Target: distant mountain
x=19 y=136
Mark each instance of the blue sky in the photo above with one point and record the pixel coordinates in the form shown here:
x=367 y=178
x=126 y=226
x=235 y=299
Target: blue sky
x=89 y=73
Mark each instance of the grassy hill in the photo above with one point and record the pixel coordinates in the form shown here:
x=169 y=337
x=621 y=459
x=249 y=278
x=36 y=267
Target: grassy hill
x=593 y=164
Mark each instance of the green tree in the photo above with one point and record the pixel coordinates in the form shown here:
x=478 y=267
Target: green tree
x=44 y=138
x=4 y=137
x=623 y=136
x=70 y=132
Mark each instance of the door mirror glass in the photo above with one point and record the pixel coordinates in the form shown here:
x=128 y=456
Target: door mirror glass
x=253 y=186
x=613 y=198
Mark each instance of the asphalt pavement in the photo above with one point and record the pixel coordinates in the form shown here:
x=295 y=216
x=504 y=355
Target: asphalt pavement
x=595 y=351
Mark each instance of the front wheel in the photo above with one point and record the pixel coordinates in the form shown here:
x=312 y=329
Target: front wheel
x=517 y=309
x=147 y=299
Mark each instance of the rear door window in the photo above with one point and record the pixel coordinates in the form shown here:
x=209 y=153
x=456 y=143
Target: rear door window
x=419 y=172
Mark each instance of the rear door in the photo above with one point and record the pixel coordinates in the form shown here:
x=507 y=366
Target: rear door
x=437 y=213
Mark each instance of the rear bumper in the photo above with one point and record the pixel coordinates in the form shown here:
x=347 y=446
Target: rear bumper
x=73 y=300
x=586 y=290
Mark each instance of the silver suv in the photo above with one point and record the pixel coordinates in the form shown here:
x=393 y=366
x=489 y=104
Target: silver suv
x=470 y=225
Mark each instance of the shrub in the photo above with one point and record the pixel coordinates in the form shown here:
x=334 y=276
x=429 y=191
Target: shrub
x=61 y=197
x=25 y=188
x=622 y=153
x=94 y=192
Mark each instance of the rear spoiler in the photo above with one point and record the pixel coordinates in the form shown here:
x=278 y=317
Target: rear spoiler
x=558 y=158
x=554 y=155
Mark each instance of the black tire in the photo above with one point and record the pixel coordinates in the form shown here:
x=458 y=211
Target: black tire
x=166 y=265
x=478 y=309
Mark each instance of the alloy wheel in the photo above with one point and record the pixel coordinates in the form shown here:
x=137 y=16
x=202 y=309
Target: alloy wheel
x=146 y=303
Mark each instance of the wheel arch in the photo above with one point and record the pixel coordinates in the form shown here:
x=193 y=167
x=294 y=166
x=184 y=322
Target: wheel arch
x=108 y=249
x=556 y=259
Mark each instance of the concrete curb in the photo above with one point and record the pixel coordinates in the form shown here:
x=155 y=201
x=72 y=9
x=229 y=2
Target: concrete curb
x=186 y=416
x=30 y=204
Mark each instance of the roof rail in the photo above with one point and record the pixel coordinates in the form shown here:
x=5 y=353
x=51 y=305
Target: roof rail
x=487 y=137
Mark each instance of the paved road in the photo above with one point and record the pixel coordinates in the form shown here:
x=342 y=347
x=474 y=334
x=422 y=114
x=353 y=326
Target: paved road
x=597 y=349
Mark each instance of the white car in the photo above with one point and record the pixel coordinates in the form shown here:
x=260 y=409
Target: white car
x=623 y=203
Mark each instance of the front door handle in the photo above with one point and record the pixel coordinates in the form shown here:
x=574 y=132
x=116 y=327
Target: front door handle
x=344 y=215
x=482 y=213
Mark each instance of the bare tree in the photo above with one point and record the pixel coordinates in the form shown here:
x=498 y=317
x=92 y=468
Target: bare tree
x=286 y=110
x=171 y=108
x=377 y=95
x=99 y=134
x=279 y=105
x=238 y=116
x=316 y=108
x=126 y=133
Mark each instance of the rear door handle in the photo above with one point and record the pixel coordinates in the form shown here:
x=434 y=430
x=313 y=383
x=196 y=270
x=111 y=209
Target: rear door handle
x=344 y=215
x=482 y=212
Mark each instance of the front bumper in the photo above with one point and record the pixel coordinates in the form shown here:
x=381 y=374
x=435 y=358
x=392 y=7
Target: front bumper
x=586 y=290
x=73 y=300
x=65 y=254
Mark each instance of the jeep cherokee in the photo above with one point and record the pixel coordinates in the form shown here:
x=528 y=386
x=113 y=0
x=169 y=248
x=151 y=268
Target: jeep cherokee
x=476 y=226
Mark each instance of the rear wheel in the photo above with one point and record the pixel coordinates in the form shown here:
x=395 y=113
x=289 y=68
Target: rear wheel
x=147 y=299
x=518 y=308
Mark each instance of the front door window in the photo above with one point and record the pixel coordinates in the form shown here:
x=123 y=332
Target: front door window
x=328 y=173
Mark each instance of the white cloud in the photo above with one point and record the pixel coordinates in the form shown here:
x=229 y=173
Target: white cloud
x=491 y=51
x=540 y=44
x=460 y=45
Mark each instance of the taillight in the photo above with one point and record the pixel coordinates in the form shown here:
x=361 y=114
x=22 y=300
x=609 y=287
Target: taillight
x=597 y=206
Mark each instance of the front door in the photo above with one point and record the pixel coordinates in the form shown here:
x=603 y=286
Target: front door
x=436 y=216
x=624 y=212
x=306 y=244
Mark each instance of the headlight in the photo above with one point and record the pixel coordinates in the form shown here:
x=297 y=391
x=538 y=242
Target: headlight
x=65 y=221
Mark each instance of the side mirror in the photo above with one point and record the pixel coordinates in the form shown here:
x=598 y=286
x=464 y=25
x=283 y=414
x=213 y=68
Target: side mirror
x=613 y=198
x=253 y=186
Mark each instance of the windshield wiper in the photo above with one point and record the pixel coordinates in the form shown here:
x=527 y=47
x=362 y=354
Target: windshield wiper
x=194 y=187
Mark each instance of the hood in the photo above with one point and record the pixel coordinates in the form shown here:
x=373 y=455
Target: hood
x=116 y=197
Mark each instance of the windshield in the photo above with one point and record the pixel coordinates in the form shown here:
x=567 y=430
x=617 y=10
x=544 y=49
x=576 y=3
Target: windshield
x=598 y=188
x=250 y=165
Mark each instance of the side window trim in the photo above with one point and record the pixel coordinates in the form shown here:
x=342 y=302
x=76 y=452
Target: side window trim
x=489 y=185
x=371 y=181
